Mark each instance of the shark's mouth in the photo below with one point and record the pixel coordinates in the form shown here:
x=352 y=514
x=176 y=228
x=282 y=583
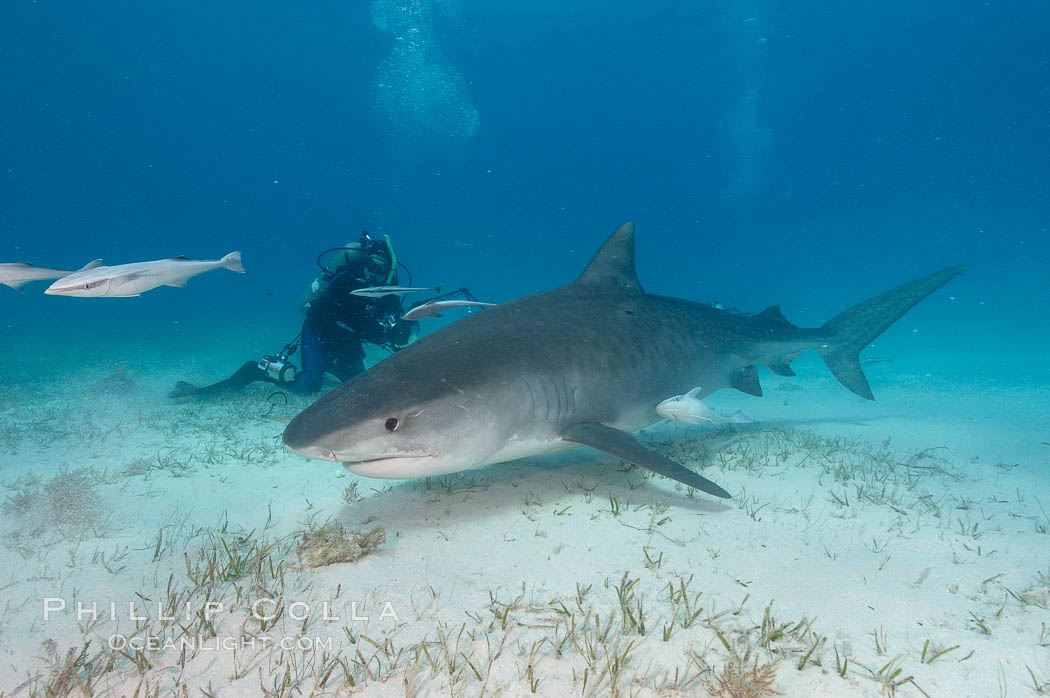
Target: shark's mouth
x=396 y=467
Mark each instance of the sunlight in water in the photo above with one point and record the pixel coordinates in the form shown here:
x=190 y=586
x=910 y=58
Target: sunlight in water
x=423 y=100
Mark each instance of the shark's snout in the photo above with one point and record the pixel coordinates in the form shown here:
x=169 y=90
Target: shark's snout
x=300 y=438
x=358 y=458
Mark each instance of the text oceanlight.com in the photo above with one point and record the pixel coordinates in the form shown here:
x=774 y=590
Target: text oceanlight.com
x=155 y=643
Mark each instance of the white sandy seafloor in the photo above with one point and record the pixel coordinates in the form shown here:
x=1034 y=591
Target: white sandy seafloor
x=900 y=547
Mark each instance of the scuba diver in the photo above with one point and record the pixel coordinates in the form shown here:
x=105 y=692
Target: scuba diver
x=337 y=323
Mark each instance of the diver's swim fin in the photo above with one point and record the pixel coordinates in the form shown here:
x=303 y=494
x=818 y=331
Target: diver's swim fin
x=245 y=375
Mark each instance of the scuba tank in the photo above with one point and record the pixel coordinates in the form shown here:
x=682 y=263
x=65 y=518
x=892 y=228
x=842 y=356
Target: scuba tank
x=372 y=261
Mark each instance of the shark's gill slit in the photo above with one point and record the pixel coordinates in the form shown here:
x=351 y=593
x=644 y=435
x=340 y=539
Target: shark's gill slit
x=532 y=396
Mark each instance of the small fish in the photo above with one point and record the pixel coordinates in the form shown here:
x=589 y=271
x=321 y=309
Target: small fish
x=18 y=274
x=434 y=308
x=380 y=291
x=470 y=245
x=128 y=280
x=690 y=409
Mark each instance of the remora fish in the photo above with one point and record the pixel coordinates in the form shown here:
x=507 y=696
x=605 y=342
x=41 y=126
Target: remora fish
x=583 y=364
x=434 y=308
x=380 y=291
x=690 y=409
x=18 y=274
x=127 y=280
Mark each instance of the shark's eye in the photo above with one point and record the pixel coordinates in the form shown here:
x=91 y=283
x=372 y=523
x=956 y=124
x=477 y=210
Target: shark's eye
x=392 y=424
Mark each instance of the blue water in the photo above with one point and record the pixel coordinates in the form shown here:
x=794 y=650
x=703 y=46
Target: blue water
x=797 y=154
x=804 y=153
x=769 y=152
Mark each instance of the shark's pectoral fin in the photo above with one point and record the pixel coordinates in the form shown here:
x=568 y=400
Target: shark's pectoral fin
x=623 y=445
x=177 y=283
x=746 y=381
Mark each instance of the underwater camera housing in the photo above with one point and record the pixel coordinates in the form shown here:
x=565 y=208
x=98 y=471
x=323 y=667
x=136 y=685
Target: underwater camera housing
x=278 y=368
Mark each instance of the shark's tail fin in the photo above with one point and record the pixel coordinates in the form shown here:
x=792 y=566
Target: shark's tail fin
x=849 y=332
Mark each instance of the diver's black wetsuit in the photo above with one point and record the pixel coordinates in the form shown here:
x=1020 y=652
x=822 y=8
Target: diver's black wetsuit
x=336 y=325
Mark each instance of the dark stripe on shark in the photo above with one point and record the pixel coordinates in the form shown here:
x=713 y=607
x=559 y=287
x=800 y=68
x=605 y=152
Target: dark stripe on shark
x=623 y=445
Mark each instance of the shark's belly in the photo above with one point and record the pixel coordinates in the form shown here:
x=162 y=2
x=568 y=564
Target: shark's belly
x=526 y=448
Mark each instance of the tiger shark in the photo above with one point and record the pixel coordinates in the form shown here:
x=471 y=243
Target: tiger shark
x=585 y=364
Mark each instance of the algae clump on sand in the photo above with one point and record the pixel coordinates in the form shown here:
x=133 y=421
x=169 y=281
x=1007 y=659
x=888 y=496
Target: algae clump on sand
x=332 y=543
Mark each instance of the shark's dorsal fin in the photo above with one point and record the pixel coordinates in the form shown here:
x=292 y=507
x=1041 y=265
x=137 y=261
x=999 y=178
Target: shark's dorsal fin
x=93 y=264
x=613 y=265
x=773 y=314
